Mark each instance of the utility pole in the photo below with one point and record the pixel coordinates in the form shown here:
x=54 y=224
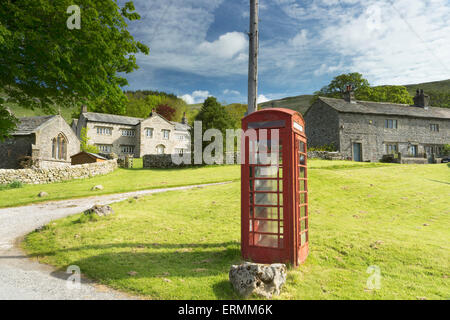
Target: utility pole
x=253 y=58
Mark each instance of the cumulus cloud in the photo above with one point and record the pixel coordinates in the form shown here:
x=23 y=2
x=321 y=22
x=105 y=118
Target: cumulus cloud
x=196 y=97
x=262 y=98
x=227 y=46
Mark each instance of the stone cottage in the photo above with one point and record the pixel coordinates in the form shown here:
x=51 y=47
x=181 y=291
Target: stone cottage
x=134 y=136
x=365 y=131
x=46 y=141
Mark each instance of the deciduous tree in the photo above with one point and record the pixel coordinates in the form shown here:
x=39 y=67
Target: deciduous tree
x=44 y=63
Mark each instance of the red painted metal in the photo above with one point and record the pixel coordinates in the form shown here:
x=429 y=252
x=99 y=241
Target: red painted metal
x=274 y=206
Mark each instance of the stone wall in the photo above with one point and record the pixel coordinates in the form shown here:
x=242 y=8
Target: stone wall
x=326 y=155
x=160 y=161
x=41 y=176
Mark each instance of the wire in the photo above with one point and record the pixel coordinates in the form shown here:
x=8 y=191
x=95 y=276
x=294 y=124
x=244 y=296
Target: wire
x=419 y=37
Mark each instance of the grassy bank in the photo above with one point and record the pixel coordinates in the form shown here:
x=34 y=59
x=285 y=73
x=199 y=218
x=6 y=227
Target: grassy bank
x=121 y=180
x=180 y=245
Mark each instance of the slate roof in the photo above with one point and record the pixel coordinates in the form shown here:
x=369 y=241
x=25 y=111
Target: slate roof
x=111 y=118
x=179 y=126
x=94 y=155
x=29 y=125
x=367 y=107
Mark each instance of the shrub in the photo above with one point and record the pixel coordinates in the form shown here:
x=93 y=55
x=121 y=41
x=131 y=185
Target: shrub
x=327 y=147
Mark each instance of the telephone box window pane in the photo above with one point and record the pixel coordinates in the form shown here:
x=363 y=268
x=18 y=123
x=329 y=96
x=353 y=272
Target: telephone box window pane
x=266 y=240
x=301 y=172
x=302 y=211
x=280 y=154
x=266 y=185
x=302 y=159
x=266 y=226
x=303 y=239
x=266 y=199
x=281 y=198
x=251 y=212
x=302 y=198
x=266 y=212
x=303 y=225
x=251 y=198
x=281 y=216
x=302 y=147
x=251 y=172
x=250 y=225
x=280 y=185
x=266 y=172
x=250 y=239
x=302 y=185
x=280 y=172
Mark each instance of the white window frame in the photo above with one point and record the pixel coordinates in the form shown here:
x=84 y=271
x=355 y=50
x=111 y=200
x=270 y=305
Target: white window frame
x=147 y=130
x=164 y=131
x=128 y=132
x=104 y=131
x=127 y=149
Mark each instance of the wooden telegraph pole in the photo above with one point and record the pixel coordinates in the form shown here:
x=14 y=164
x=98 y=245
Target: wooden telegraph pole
x=253 y=58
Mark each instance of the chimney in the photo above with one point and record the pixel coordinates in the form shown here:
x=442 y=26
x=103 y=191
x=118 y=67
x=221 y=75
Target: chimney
x=84 y=108
x=184 y=119
x=349 y=95
x=152 y=113
x=421 y=100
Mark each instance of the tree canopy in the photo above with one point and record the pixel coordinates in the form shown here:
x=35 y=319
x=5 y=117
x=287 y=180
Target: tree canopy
x=363 y=90
x=44 y=63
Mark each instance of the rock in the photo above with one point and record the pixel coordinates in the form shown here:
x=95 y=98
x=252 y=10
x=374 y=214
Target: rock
x=263 y=280
x=99 y=210
x=99 y=187
x=42 y=194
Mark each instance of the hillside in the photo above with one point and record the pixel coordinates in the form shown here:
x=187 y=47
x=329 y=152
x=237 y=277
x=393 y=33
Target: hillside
x=440 y=86
x=299 y=103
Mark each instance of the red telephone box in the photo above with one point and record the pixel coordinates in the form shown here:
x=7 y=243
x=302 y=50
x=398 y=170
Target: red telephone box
x=274 y=197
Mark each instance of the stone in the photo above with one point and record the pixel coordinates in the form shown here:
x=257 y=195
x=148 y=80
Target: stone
x=100 y=210
x=42 y=194
x=263 y=280
x=99 y=187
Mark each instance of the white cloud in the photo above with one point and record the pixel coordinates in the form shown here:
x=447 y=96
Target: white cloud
x=227 y=46
x=407 y=43
x=196 y=97
x=231 y=92
x=262 y=98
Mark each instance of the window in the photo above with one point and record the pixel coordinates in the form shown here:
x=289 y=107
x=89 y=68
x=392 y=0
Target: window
x=149 y=132
x=104 y=131
x=127 y=149
x=180 y=151
x=180 y=137
x=413 y=150
x=391 y=148
x=106 y=148
x=434 y=127
x=160 y=149
x=59 y=147
x=128 y=133
x=166 y=134
x=391 y=124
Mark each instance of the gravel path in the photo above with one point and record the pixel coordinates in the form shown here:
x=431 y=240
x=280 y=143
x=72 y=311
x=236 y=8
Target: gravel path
x=22 y=278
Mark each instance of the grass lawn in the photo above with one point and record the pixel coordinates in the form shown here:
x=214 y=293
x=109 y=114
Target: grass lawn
x=180 y=244
x=121 y=180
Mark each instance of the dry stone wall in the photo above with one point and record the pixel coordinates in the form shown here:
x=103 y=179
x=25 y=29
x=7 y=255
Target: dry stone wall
x=42 y=176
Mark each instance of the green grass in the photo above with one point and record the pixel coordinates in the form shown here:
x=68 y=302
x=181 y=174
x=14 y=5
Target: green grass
x=121 y=180
x=180 y=244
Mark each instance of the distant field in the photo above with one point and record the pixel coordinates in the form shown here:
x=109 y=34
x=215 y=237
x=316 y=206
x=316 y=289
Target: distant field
x=440 y=86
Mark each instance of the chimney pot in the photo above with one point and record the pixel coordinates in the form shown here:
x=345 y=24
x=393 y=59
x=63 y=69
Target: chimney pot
x=84 y=108
x=349 y=95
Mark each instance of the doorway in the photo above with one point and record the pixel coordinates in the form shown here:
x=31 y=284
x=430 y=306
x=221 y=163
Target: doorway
x=357 y=152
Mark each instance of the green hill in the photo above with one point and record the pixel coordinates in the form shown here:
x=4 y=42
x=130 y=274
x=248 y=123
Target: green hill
x=298 y=103
x=440 y=86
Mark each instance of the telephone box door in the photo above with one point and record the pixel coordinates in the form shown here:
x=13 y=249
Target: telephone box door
x=301 y=215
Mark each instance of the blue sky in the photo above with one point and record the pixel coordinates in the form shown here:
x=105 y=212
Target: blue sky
x=200 y=47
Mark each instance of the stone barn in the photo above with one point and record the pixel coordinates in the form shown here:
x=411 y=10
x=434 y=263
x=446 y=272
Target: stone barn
x=43 y=142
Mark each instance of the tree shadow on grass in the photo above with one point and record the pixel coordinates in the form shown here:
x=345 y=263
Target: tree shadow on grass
x=150 y=267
